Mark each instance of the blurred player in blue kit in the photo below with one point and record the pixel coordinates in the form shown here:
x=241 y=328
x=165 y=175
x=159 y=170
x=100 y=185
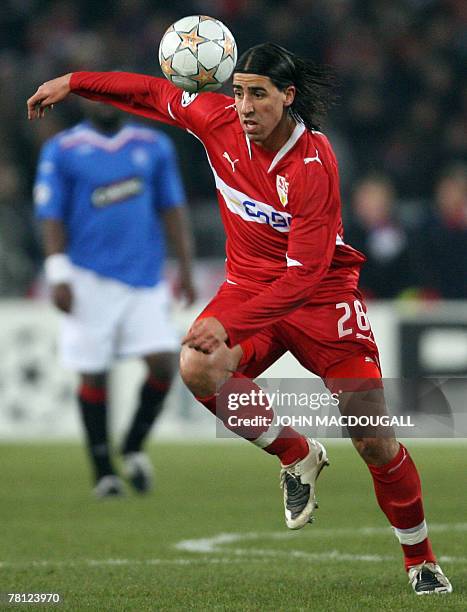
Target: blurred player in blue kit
x=106 y=194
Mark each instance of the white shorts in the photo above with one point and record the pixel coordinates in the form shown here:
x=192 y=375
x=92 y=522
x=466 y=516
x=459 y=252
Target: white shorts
x=110 y=319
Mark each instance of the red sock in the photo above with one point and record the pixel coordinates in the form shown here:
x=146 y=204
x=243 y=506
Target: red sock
x=399 y=494
x=285 y=442
x=289 y=446
x=94 y=395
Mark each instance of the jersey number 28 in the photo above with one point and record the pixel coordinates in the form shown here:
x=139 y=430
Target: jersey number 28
x=361 y=318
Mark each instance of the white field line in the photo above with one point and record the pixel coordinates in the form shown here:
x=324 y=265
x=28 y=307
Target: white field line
x=330 y=555
x=215 y=543
x=240 y=556
x=118 y=562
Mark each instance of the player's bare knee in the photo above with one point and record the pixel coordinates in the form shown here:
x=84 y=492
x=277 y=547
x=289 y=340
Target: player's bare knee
x=376 y=451
x=203 y=374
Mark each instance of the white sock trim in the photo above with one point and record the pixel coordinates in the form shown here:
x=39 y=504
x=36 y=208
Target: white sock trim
x=268 y=437
x=414 y=535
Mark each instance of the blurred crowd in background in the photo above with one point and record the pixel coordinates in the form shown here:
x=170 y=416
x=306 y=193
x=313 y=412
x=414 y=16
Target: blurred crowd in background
x=399 y=125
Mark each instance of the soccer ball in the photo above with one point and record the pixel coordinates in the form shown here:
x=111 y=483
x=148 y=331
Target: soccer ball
x=198 y=53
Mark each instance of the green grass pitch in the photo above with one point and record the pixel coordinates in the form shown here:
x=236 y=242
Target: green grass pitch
x=212 y=536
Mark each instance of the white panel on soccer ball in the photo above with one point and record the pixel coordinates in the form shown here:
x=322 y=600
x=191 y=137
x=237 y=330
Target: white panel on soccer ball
x=184 y=63
x=169 y=44
x=211 y=29
x=186 y=24
x=185 y=83
x=225 y=70
x=210 y=54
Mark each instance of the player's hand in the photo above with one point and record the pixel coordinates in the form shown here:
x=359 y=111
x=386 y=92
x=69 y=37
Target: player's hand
x=206 y=335
x=62 y=297
x=47 y=95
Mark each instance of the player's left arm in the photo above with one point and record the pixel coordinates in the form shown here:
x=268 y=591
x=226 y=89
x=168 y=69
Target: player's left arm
x=311 y=245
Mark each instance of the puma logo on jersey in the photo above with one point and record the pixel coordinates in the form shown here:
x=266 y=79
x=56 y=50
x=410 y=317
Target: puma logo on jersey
x=363 y=337
x=232 y=163
x=316 y=158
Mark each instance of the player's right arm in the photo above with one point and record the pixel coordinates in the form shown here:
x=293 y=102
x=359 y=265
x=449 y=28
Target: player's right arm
x=138 y=94
x=51 y=195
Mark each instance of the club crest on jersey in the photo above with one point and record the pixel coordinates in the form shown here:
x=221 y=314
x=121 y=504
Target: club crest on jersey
x=282 y=189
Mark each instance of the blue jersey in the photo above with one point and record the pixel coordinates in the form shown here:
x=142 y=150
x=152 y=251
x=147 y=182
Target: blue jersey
x=109 y=192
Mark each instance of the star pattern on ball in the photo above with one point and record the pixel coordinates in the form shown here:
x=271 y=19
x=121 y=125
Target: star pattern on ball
x=191 y=40
x=229 y=48
x=205 y=77
x=167 y=67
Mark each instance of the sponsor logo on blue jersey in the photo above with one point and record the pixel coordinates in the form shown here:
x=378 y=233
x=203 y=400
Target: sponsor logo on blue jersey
x=117 y=192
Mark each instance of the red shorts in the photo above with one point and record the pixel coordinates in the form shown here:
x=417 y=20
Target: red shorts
x=331 y=340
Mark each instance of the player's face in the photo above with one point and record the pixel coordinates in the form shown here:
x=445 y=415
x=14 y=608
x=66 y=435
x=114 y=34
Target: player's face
x=261 y=107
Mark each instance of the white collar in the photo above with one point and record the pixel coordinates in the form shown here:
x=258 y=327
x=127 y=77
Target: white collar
x=294 y=136
x=248 y=144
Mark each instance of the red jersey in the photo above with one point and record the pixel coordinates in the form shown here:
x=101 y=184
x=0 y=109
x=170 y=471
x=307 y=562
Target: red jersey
x=281 y=210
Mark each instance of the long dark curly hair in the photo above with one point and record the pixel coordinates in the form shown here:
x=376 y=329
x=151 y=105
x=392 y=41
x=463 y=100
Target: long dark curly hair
x=313 y=83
